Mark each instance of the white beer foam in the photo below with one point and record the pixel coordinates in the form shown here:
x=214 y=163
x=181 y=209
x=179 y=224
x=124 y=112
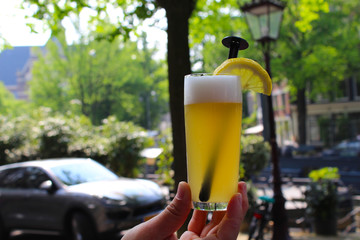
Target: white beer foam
x=212 y=88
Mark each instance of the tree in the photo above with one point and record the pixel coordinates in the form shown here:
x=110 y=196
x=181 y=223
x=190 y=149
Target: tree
x=100 y=78
x=9 y=105
x=210 y=23
x=178 y=57
x=309 y=47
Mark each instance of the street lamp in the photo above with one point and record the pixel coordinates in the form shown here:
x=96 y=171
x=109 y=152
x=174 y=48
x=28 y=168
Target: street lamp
x=264 y=19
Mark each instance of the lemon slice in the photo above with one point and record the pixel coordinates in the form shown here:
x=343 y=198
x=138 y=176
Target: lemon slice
x=253 y=76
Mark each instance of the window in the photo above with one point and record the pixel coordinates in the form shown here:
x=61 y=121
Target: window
x=341 y=91
x=13 y=178
x=274 y=102
x=22 y=178
x=357 y=87
x=35 y=177
x=76 y=173
x=283 y=101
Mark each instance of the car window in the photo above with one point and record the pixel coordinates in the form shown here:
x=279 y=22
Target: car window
x=35 y=177
x=82 y=172
x=22 y=178
x=13 y=178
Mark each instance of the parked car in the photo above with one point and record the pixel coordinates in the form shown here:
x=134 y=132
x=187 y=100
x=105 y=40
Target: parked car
x=77 y=198
x=346 y=148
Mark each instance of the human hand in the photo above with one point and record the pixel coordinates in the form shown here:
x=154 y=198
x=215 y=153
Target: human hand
x=223 y=225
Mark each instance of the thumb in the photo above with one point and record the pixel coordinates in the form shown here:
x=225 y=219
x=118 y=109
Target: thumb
x=174 y=216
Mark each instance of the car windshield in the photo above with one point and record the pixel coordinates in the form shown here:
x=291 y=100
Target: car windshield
x=82 y=172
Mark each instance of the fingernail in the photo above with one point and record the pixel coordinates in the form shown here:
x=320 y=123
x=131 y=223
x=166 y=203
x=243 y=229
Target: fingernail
x=180 y=191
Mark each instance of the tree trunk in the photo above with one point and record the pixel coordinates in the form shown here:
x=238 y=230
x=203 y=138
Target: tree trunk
x=178 y=58
x=301 y=107
x=178 y=14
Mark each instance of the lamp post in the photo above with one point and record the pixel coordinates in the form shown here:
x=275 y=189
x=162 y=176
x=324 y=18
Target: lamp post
x=264 y=19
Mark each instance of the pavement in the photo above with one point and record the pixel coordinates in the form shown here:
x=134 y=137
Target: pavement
x=298 y=234
x=295 y=234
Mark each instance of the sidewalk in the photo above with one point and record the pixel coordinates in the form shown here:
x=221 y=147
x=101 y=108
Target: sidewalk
x=300 y=235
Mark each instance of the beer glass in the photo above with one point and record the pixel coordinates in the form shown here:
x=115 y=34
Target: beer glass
x=213 y=113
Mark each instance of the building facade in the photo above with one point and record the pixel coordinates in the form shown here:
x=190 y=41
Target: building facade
x=328 y=121
x=335 y=117
x=15 y=70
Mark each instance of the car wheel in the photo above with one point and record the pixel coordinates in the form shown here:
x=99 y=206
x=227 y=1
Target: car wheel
x=82 y=227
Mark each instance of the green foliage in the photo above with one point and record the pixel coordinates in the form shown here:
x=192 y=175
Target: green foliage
x=306 y=47
x=54 y=137
x=321 y=198
x=321 y=194
x=165 y=160
x=249 y=121
x=316 y=45
x=128 y=13
x=4 y=44
x=46 y=134
x=125 y=142
x=210 y=23
x=328 y=173
x=315 y=50
x=88 y=141
x=99 y=79
x=10 y=106
x=308 y=12
x=255 y=155
x=11 y=136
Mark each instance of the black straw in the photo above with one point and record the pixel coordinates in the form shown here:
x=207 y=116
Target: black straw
x=234 y=44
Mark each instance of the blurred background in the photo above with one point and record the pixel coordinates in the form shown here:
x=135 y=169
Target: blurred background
x=104 y=80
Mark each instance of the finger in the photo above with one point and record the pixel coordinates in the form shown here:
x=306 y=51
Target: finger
x=219 y=215
x=230 y=225
x=243 y=190
x=189 y=235
x=173 y=217
x=197 y=222
x=215 y=220
x=176 y=213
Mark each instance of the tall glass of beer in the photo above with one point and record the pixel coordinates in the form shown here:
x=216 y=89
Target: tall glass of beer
x=213 y=113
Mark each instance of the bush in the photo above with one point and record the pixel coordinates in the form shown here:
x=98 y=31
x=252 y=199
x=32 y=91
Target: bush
x=321 y=193
x=255 y=155
x=47 y=135
x=166 y=159
x=126 y=142
x=322 y=198
x=15 y=139
x=54 y=137
x=87 y=140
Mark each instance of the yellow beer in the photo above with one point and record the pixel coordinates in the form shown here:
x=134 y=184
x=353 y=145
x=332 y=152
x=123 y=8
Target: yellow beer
x=213 y=111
